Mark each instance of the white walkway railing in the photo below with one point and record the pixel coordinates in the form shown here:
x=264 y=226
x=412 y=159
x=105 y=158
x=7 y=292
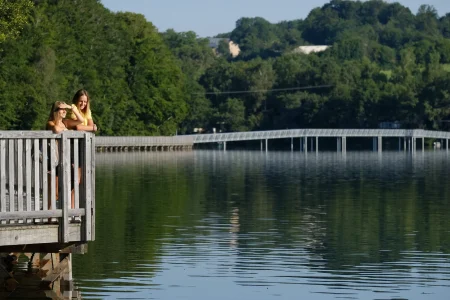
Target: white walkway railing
x=296 y=133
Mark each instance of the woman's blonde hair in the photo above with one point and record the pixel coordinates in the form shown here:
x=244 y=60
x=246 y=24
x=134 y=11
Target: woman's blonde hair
x=76 y=99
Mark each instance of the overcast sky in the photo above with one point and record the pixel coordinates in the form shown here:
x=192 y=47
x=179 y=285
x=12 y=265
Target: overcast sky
x=210 y=17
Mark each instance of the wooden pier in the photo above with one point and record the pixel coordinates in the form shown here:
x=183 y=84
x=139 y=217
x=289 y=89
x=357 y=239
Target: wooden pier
x=144 y=143
x=47 y=198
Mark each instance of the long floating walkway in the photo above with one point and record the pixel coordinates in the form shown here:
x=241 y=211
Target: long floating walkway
x=407 y=136
x=407 y=139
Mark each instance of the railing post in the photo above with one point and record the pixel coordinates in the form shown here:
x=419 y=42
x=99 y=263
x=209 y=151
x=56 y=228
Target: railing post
x=87 y=179
x=36 y=174
x=64 y=187
x=11 y=174
x=44 y=174
x=53 y=156
x=2 y=176
x=76 y=164
x=91 y=211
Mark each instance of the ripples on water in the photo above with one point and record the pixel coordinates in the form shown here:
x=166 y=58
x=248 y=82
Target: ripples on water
x=251 y=225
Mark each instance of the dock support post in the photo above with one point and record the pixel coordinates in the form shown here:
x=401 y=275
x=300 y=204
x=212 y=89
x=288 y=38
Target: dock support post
x=305 y=145
x=317 y=144
x=292 y=144
x=423 y=144
x=446 y=146
x=224 y=146
x=312 y=144
x=404 y=143
x=338 y=144
x=267 y=144
x=374 y=144
x=344 y=144
x=380 y=144
x=261 y=145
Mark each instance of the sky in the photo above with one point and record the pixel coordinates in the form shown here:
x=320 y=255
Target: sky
x=210 y=17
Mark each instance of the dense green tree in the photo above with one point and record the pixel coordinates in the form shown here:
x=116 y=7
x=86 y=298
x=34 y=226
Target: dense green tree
x=444 y=25
x=13 y=17
x=427 y=20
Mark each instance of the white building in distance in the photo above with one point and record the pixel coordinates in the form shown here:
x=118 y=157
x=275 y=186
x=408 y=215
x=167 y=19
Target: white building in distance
x=234 y=48
x=311 y=49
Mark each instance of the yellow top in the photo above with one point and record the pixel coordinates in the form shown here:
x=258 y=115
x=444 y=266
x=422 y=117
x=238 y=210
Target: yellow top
x=86 y=117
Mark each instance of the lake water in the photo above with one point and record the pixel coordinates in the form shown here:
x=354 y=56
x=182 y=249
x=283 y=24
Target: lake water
x=277 y=225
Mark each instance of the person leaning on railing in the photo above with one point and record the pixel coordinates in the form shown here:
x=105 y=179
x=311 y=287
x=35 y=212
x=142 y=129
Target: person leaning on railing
x=57 y=122
x=81 y=101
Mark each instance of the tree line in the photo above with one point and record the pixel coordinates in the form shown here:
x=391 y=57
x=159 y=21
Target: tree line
x=384 y=64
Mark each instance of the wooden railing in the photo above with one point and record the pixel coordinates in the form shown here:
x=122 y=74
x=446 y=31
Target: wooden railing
x=47 y=179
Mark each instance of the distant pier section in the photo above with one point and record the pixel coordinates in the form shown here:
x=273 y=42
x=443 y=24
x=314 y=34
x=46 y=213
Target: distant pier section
x=144 y=143
x=307 y=139
x=408 y=139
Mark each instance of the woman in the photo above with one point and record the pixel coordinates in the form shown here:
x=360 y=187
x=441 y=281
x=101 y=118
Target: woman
x=81 y=102
x=58 y=123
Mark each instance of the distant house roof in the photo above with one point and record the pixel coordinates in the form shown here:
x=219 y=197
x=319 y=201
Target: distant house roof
x=311 y=49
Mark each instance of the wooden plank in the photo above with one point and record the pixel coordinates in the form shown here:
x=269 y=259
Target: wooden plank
x=92 y=205
x=11 y=168
x=57 y=213
x=36 y=174
x=87 y=186
x=64 y=186
x=53 y=158
x=56 y=272
x=28 y=172
x=31 y=214
x=20 y=168
x=36 y=234
x=75 y=173
x=45 y=174
x=75 y=249
x=2 y=175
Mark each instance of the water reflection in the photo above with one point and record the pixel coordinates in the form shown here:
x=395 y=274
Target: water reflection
x=253 y=225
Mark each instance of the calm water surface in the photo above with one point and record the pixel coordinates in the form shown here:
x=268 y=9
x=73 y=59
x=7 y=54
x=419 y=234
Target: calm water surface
x=277 y=225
